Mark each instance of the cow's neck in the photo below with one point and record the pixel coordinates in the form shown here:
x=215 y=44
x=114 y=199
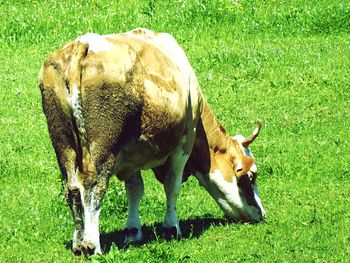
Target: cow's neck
x=215 y=134
x=211 y=138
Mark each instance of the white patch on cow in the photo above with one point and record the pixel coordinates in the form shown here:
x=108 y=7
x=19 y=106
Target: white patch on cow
x=75 y=239
x=258 y=201
x=75 y=98
x=218 y=188
x=239 y=138
x=230 y=191
x=91 y=230
x=97 y=43
x=172 y=184
x=75 y=102
x=239 y=166
x=229 y=196
x=73 y=182
x=254 y=168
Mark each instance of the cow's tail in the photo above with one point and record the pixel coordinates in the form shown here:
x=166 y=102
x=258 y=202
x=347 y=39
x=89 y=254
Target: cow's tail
x=60 y=85
x=73 y=73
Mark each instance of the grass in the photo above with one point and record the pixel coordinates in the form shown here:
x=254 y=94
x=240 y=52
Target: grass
x=285 y=62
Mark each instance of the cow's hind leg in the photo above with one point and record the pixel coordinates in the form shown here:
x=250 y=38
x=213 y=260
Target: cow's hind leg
x=92 y=193
x=73 y=196
x=172 y=184
x=84 y=193
x=74 y=201
x=134 y=190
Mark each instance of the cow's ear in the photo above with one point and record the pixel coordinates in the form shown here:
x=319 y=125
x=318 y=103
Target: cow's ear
x=244 y=165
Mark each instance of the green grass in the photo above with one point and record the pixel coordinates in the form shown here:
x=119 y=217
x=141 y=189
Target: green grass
x=285 y=62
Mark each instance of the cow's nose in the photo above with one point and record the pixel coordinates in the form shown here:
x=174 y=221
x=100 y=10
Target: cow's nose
x=260 y=216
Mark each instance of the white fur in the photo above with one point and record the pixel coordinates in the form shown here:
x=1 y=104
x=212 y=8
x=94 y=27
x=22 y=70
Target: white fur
x=75 y=102
x=239 y=166
x=172 y=184
x=239 y=138
x=73 y=182
x=229 y=189
x=91 y=223
x=97 y=43
x=229 y=197
x=254 y=168
x=75 y=238
x=258 y=201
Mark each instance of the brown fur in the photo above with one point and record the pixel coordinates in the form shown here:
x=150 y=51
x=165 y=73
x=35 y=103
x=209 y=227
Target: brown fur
x=214 y=149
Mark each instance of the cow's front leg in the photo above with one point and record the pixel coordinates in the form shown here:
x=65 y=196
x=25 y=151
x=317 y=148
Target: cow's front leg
x=134 y=190
x=171 y=226
x=172 y=184
x=92 y=203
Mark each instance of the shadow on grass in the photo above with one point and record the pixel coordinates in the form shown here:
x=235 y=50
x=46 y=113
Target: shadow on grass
x=190 y=228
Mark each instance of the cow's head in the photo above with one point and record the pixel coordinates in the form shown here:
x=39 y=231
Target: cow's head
x=232 y=179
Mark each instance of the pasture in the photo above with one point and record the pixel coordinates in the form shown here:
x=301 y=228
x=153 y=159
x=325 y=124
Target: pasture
x=284 y=62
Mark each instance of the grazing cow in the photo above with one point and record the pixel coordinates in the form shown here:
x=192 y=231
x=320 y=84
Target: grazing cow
x=116 y=104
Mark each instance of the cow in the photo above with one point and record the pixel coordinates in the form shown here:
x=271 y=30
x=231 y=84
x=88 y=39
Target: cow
x=117 y=104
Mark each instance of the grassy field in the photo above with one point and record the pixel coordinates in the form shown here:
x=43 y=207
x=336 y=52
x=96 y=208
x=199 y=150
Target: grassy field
x=285 y=62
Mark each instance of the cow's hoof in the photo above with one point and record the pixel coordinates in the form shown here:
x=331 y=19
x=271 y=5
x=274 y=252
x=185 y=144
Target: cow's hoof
x=88 y=248
x=77 y=248
x=77 y=251
x=132 y=236
x=171 y=233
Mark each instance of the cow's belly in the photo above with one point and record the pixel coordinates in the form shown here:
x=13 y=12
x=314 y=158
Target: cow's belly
x=152 y=148
x=138 y=155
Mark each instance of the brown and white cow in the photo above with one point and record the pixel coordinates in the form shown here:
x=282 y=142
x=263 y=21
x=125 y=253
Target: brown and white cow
x=116 y=104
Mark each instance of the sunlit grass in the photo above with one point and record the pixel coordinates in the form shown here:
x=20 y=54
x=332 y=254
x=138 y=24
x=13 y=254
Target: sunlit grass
x=286 y=63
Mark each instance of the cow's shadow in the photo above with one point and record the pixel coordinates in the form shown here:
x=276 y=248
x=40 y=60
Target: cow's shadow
x=190 y=228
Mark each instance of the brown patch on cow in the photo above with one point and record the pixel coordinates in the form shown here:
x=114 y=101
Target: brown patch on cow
x=215 y=150
x=210 y=151
x=247 y=164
